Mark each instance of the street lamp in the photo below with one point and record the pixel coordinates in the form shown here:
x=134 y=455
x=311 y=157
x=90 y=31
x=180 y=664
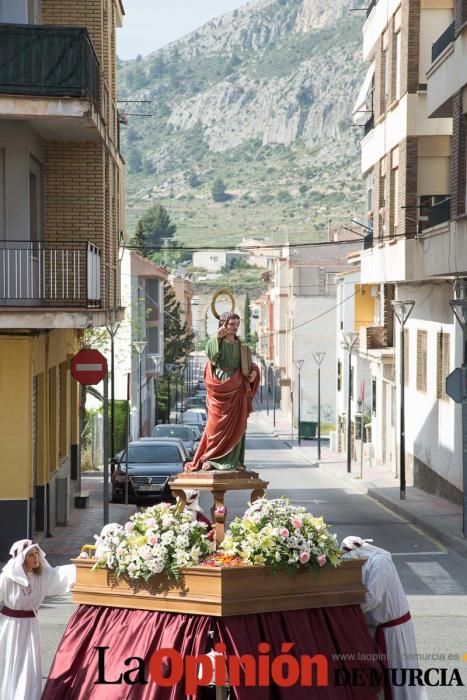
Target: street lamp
x=140 y=346
x=349 y=338
x=318 y=358
x=299 y=365
x=273 y=394
x=459 y=307
x=167 y=370
x=157 y=360
x=402 y=310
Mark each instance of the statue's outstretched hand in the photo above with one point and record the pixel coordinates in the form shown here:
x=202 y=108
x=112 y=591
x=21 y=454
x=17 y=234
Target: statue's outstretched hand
x=222 y=332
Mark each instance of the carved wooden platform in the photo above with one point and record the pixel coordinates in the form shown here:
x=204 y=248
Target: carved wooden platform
x=218 y=482
x=223 y=591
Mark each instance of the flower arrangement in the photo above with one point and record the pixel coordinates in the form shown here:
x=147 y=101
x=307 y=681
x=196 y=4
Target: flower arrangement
x=159 y=539
x=277 y=534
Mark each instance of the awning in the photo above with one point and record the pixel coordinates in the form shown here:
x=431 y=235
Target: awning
x=363 y=105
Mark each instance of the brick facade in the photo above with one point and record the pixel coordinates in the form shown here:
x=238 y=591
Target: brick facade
x=458 y=158
x=408 y=201
x=410 y=45
x=82 y=180
x=80 y=206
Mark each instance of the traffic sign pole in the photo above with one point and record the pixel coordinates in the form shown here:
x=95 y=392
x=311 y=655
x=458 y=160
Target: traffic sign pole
x=106 y=449
x=464 y=443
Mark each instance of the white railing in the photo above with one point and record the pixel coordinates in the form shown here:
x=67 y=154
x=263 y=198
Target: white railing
x=94 y=274
x=35 y=273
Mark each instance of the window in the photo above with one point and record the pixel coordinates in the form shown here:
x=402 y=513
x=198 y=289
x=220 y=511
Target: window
x=152 y=333
x=395 y=174
x=427 y=201
x=35 y=200
x=422 y=339
x=339 y=375
x=373 y=395
x=398 y=65
x=406 y=356
x=152 y=292
x=442 y=364
x=369 y=192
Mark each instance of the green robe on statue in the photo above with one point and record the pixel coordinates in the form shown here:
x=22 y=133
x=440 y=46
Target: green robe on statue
x=226 y=359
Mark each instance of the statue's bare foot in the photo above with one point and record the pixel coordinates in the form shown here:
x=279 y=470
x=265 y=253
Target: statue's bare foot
x=206 y=467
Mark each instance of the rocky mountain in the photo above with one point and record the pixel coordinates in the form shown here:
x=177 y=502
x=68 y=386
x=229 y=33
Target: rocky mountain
x=261 y=99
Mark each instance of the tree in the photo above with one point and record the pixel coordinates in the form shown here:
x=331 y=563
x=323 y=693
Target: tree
x=218 y=191
x=178 y=339
x=247 y=320
x=152 y=228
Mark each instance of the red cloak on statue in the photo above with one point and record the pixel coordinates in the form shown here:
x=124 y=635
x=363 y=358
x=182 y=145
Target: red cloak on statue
x=229 y=403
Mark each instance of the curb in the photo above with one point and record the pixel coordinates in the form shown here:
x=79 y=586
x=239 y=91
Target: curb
x=372 y=491
x=451 y=541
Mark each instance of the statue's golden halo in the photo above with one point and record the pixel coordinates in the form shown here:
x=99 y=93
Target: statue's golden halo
x=222 y=292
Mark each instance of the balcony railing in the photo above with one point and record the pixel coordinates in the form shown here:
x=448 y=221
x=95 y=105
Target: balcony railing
x=370 y=7
x=48 y=61
x=446 y=38
x=439 y=213
x=49 y=274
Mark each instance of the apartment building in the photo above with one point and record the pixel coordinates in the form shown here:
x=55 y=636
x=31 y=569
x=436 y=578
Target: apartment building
x=183 y=289
x=297 y=318
x=409 y=160
x=61 y=217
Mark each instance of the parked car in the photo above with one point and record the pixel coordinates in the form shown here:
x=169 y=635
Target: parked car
x=188 y=435
x=196 y=416
x=151 y=463
x=195 y=402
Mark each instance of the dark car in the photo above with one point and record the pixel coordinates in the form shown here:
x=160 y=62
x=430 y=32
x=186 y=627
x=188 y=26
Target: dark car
x=186 y=433
x=151 y=463
x=195 y=402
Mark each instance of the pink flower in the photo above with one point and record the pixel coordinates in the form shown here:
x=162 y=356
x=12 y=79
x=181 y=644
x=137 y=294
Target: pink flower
x=129 y=526
x=151 y=522
x=304 y=557
x=322 y=559
x=283 y=532
x=153 y=539
x=297 y=523
x=220 y=510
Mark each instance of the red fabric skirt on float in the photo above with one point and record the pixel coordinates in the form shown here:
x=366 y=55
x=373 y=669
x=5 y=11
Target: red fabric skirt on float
x=336 y=632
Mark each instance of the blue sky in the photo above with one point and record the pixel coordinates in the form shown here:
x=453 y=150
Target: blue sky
x=150 y=24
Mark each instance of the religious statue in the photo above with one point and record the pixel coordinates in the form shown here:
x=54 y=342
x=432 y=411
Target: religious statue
x=232 y=380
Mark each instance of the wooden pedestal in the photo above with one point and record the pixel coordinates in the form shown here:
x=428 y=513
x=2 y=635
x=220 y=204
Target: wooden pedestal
x=218 y=483
x=223 y=591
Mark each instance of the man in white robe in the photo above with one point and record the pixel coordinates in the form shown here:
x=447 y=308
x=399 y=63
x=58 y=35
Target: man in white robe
x=22 y=591
x=386 y=611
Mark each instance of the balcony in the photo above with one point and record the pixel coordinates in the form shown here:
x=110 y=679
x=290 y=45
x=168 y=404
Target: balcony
x=370 y=7
x=447 y=75
x=50 y=76
x=446 y=38
x=49 y=275
x=392 y=260
x=373 y=338
x=439 y=213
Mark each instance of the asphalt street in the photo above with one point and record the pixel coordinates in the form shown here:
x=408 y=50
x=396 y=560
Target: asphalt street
x=433 y=577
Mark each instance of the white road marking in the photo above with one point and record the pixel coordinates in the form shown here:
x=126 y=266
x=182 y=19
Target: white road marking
x=436 y=578
x=416 y=554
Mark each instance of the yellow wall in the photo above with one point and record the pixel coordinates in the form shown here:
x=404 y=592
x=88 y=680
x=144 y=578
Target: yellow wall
x=21 y=358
x=15 y=418
x=364 y=306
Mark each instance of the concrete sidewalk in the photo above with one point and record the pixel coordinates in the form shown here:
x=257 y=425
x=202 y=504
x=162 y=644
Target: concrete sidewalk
x=437 y=517
x=83 y=524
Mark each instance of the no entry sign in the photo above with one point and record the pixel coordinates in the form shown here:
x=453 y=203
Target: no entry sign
x=89 y=366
